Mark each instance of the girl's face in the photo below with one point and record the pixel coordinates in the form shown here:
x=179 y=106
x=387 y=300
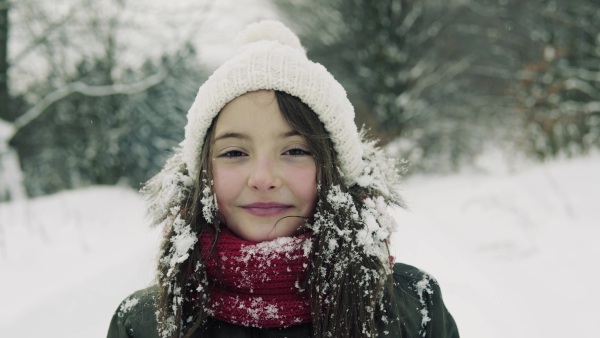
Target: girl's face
x=263 y=170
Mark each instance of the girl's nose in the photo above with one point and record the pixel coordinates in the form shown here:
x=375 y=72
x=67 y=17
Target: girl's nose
x=264 y=175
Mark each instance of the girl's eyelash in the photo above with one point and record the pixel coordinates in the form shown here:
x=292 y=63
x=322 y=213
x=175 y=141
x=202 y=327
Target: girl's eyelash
x=291 y=152
x=298 y=152
x=232 y=153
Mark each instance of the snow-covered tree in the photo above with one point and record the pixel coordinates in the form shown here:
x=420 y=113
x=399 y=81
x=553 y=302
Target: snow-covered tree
x=109 y=139
x=440 y=80
x=70 y=65
x=559 y=89
x=407 y=67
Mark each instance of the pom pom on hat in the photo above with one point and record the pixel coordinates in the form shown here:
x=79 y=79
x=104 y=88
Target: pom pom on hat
x=270 y=30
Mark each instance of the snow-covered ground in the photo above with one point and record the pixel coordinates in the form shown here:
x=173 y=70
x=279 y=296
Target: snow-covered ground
x=513 y=252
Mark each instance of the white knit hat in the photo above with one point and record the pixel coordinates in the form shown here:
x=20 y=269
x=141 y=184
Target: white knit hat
x=271 y=58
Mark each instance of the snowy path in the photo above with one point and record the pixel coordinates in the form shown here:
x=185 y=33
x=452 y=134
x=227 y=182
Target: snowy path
x=516 y=255
x=72 y=261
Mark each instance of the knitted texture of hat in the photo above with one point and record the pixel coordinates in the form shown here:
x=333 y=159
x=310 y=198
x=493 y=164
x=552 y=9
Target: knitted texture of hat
x=272 y=58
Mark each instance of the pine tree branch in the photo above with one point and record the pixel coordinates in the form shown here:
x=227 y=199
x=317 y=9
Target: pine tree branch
x=592 y=107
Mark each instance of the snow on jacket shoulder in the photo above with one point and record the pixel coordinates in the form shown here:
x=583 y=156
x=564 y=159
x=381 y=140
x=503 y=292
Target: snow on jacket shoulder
x=421 y=311
x=421 y=308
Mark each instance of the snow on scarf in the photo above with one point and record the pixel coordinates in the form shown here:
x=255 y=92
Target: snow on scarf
x=258 y=284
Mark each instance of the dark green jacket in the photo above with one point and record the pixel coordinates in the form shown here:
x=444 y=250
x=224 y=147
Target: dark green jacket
x=422 y=314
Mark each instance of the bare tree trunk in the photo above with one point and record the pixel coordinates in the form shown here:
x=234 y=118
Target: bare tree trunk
x=11 y=175
x=4 y=25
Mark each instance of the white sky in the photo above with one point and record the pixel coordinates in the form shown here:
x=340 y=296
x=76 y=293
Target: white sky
x=212 y=30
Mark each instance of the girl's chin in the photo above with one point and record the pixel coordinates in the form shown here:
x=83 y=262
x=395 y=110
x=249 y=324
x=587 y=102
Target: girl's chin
x=262 y=235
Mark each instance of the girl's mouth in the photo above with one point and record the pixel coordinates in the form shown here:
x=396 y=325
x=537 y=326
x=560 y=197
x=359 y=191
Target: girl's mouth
x=266 y=208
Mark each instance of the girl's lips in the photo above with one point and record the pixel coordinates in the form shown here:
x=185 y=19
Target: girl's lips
x=266 y=209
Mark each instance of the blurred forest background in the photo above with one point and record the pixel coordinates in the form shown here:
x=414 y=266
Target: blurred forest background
x=96 y=92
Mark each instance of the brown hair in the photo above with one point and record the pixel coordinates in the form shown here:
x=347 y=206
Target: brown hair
x=346 y=286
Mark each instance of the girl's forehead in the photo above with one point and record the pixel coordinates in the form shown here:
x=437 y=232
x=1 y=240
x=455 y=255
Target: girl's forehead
x=260 y=98
x=254 y=112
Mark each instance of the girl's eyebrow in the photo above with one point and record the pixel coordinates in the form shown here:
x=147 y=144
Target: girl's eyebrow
x=231 y=135
x=290 y=133
x=242 y=136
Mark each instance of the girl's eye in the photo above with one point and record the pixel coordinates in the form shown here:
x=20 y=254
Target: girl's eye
x=232 y=153
x=297 y=152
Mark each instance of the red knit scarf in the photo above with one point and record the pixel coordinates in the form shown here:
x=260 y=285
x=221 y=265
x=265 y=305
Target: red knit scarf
x=258 y=284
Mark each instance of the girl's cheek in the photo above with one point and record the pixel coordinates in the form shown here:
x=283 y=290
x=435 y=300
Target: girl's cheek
x=310 y=171
x=225 y=172
x=305 y=174
x=305 y=183
x=224 y=181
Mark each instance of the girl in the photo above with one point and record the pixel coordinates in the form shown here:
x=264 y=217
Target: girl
x=274 y=210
